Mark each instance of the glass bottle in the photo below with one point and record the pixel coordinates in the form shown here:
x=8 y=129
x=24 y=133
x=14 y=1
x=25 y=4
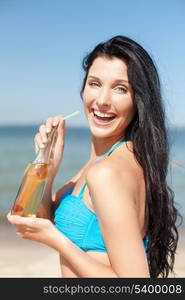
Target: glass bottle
x=34 y=181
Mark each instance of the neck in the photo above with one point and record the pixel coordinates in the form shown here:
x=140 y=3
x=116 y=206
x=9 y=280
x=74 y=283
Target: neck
x=99 y=146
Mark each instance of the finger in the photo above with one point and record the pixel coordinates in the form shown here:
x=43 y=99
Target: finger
x=20 y=234
x=9 y=217
x=61 y=133
x=36 y=148
x=43 y=134
x=20 y=228
x=49 y=124
x=13 y=219
x=24 y=228
x=57 y=119
x=21 y=221
x=38 y=142
x=23 y=235
x=26 y=235
x=61 y=126
x=16 y=223
x=8 y=214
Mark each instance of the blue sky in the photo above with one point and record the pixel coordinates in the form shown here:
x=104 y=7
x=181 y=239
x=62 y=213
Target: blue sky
x=42 y=44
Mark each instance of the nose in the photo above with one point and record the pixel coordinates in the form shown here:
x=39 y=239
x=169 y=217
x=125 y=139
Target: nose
x=103 y=97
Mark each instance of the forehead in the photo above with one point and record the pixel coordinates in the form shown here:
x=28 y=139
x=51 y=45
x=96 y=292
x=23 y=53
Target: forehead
x=105 y=67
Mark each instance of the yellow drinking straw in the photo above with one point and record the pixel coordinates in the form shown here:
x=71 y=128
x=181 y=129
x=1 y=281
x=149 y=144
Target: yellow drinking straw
x=71 y=115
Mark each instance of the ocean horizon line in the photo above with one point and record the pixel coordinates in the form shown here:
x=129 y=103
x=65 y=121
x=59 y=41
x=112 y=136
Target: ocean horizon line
x=37 y=124
x=83 y=126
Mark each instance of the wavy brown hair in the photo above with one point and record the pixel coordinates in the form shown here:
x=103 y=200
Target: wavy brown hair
x=150 y=145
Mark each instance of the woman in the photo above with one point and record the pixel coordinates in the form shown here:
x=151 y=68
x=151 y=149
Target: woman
x=116 y=217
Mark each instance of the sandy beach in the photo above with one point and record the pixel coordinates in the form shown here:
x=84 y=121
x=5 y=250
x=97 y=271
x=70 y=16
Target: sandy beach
x=24 y=258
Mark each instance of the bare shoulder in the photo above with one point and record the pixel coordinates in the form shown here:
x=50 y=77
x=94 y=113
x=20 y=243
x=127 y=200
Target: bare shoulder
x=119 y=170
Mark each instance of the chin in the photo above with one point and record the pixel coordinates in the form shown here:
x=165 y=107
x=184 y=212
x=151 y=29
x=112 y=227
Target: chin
x=100 y=134
x=101 y=131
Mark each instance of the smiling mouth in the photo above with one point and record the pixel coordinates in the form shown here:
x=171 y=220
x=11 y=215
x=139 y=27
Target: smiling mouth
x=103 y=118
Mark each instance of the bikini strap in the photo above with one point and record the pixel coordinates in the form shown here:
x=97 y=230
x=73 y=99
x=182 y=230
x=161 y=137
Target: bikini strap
x=107 y=153
x=113 y=148
x=82 y=190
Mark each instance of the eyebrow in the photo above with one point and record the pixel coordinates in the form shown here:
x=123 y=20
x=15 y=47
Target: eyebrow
x=116 y=80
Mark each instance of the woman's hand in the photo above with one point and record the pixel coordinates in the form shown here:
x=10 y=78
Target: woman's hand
x=36 y=229
x=41 y=140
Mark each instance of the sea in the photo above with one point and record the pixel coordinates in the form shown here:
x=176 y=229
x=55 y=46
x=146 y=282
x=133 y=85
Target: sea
x=17 y=150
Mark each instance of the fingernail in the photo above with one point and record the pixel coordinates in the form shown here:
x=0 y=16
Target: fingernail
x=42 y=146
x=54 y=123
x=47 y=130
x=45 y=140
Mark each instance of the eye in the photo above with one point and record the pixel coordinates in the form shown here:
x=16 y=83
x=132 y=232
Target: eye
x=121 y=89
x=94 y=83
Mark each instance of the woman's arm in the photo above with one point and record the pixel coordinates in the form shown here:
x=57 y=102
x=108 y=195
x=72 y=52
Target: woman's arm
x=114 y=193
x=43 y=231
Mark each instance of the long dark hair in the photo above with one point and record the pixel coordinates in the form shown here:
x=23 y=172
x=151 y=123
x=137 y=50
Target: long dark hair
x=150 y=146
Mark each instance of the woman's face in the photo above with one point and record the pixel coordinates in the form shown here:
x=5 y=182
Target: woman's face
x=108 y=98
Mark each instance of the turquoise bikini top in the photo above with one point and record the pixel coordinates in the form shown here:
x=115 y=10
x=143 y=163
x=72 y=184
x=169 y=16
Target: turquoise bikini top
x=80 y=224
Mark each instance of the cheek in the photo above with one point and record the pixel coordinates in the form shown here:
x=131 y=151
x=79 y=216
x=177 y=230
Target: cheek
x=127 y=107
x=87 y=97
x=123 y=103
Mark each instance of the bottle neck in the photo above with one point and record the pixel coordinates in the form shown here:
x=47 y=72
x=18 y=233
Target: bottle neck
x=44 y=155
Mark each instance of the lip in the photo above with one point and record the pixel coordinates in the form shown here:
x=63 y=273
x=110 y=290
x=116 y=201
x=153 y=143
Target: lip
x=101 y=123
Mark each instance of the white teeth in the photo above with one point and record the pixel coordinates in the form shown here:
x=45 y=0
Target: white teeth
x=103 y=115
